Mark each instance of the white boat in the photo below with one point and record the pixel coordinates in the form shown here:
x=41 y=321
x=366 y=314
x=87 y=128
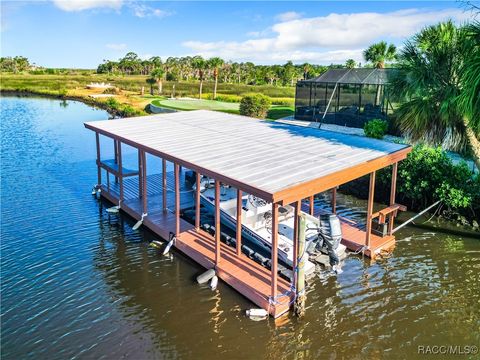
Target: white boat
x=256 y=221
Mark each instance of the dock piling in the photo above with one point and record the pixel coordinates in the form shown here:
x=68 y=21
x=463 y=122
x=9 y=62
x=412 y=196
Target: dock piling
x=300 y=298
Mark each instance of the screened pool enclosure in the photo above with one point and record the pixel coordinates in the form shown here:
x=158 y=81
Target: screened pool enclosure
x=347 y=97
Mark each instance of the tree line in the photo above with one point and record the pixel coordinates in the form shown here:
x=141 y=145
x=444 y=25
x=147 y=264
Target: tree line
x=196 y=67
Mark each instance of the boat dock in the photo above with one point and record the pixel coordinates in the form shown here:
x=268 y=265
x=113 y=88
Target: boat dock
x=280 y=163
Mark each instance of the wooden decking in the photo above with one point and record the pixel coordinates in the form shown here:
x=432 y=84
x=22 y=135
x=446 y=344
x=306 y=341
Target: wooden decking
x=240 y=272
x=354 y=236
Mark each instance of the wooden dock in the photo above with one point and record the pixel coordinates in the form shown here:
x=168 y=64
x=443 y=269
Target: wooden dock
x=279 y=163
x=240 y=272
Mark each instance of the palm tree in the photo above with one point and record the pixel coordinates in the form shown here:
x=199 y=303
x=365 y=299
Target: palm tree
x=215 y=63
x=199 y=64
x=151 y=81
x=307 y=68
x=378 y=54
x=158 y=74
x=469 y=99
x=439 y=82
x=350 y=64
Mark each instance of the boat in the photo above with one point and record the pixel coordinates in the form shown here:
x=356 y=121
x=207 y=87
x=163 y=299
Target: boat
x=257 y=220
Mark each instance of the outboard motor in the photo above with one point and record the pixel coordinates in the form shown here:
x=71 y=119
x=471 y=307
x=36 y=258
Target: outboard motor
x=329 y=236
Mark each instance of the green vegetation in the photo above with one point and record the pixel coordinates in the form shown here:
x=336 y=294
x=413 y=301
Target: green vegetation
x=197 y=104
x=424 y=177
x=215 y=69
x=428 y=175
x=121 y=109
x=376 y=128
x=255 y=105
x=380 y=53
x=439 y=90
x=15 y=64
x=278 y=112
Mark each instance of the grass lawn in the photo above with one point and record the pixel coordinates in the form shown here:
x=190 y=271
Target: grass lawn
x=278 y=112
x=275 y=112
x=196 y=104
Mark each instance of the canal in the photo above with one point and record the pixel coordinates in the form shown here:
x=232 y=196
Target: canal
x=79 y=283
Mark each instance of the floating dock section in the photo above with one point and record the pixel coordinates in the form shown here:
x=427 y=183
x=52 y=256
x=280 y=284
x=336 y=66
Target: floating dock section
x=280 y=163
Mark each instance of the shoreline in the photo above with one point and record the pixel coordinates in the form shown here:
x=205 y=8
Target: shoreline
x=86 y=99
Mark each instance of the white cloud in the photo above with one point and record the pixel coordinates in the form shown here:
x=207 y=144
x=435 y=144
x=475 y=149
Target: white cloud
x=288 y=16
x=326 y=39
x=117 y=47
x=143 y=11
x=79 y=5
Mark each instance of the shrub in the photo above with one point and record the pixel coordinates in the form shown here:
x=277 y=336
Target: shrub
x=428 y=175
x=129 y=111
x=112 y=103
x=255 y=105
x=376 y=128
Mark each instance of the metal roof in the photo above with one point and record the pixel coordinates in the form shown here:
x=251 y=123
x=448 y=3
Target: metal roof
x=367 y=76
x=264 y=158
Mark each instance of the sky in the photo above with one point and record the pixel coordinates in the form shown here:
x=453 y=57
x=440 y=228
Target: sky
x=82 y=33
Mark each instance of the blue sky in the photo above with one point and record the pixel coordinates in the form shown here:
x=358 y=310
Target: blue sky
x=81 y=33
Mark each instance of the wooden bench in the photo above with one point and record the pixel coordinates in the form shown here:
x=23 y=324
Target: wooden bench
x=112 y=167
x=392 y=210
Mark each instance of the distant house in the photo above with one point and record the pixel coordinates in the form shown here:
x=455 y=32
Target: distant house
x=347 y=97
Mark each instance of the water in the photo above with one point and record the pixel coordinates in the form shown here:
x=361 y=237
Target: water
x=77 y=283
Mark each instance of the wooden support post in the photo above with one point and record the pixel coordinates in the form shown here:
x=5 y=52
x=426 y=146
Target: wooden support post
x=239 y=222
x=334 y=200
x=164 y=185
x=300 y=274
x=298 y=207
x=393 y=190
x=197 y=203
x=115 y=151
x=371 y=194
x=144 y=182
x=140 y=172
x=217 y=222
x=312 y=205
x=120 y=170
x=99 y=169
x=274 y=251
x=177 y=200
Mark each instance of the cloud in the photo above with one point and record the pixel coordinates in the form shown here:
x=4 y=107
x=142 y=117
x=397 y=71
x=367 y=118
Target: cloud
x=288 y=16
x=117 y=47
x=79 y=5
x=326 y=39
x=143 y=11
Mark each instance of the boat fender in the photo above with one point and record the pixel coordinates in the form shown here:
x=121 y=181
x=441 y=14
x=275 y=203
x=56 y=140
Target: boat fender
x=231 y=242
x=94 y=190
x=170 y=244
x=247 y=251
x=214 y=283
x=260 y=258
x=223 y=237
x=206 y=276
x=139 y=222
x=257 y=314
